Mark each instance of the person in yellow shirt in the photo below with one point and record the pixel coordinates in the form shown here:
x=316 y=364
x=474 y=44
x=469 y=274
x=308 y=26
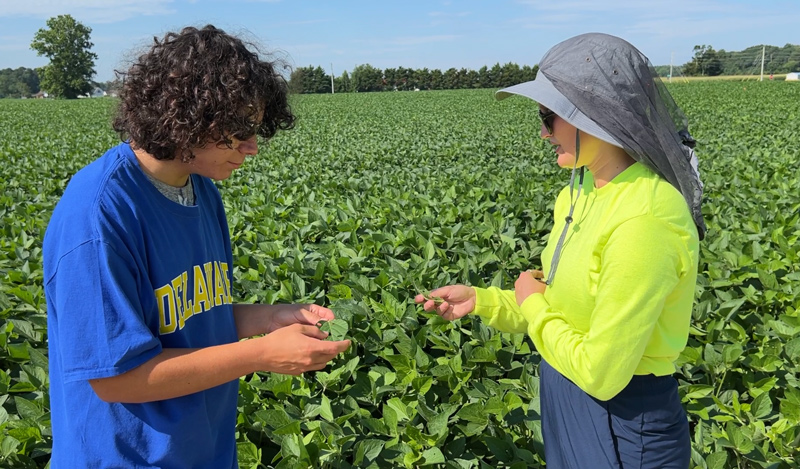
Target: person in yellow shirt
x=610 y=311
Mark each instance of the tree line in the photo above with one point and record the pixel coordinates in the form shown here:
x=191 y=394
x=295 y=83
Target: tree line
x=18 y=83
x=709 y=62
x=66 y=42
x=368 y=78
x=24 y=82
x=705 y=62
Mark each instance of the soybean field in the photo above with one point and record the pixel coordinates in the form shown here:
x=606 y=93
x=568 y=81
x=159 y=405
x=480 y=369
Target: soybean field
x=374 y=197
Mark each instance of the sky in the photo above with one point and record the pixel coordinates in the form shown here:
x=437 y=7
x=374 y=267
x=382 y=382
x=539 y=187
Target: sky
x=339 y=35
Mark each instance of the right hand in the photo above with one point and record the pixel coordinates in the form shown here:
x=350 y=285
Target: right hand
x=297 y=348
x=459 y=301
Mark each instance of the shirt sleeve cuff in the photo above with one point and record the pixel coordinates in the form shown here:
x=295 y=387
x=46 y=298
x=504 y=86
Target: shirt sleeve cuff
x=532 y=307
x=486 y=304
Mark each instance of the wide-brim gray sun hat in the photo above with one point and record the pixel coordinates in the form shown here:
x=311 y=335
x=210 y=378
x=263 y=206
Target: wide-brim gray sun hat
x=604 y=86
x=543 y=92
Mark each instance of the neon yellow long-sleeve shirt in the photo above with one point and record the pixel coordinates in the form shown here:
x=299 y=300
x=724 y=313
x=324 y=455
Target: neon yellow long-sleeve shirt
x=621 y=301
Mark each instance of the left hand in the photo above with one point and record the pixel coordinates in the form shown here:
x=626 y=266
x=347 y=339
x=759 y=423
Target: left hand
x=309 y=314
x=528 y=283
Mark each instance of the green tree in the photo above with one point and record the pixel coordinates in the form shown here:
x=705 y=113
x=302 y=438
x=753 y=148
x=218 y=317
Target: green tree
x=437 y=79
x=66 y=43
x=494 y=76
x=451 y=79
x=422 y=79
x=391 y=79
x=367 y=78
x=405 y=78
x=528 y=73
x=472 y=78
x=484 y=80
x=343 y=83
x=309 y=80
x=297 y=80
x=16 y=83
x=706 y=62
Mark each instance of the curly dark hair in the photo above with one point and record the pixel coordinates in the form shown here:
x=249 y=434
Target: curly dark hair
x=196 y=87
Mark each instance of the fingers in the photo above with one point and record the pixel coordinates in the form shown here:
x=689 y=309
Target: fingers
x=311 y=317
x=433 y=299
x=319 y=353
x=444 y=300
x=429 y=305
x=446 y=311
x=325 y=351
x=322 y=352
x=537 y=274
x=321 y=312
x=337 y=347
x=333 y=347
x=298 y=348
x=312 y=331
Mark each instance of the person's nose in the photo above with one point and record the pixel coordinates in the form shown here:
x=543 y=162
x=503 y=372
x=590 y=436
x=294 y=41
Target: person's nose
x=248 y=147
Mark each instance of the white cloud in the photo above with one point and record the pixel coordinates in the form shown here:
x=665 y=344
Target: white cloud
x=92 y=11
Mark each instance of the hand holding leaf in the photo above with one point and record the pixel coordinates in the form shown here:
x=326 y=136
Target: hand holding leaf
x=337 y=328
x=437 y=300
x=299 y=314
x=528 y=283
x=451 y=302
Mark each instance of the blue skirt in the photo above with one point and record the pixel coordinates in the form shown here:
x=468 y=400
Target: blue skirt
x=642 y=427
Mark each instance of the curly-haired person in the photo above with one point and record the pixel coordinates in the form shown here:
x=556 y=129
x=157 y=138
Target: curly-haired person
x=144 y=338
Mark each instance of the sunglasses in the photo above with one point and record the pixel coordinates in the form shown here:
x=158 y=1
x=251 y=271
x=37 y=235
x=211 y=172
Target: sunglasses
x=547 y=116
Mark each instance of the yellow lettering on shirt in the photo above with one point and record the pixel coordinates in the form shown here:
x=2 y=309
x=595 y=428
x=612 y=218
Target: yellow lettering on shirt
x=178 y=301
x=179 y=287
x=224 y=267
x=165 y=298
x=220 y=297
x=201 y=301
x=209 y=268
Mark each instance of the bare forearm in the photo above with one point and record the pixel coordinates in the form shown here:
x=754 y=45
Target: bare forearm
x=257 y=319
x=178 y=372
x=292 y=349
x=252 y=320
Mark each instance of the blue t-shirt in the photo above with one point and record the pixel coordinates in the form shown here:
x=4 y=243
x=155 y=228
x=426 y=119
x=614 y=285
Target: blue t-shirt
x=129 y=272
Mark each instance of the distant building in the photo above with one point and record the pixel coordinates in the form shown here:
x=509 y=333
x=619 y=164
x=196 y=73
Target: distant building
x=794 y=76
x=40 y=95
x=95 y=93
